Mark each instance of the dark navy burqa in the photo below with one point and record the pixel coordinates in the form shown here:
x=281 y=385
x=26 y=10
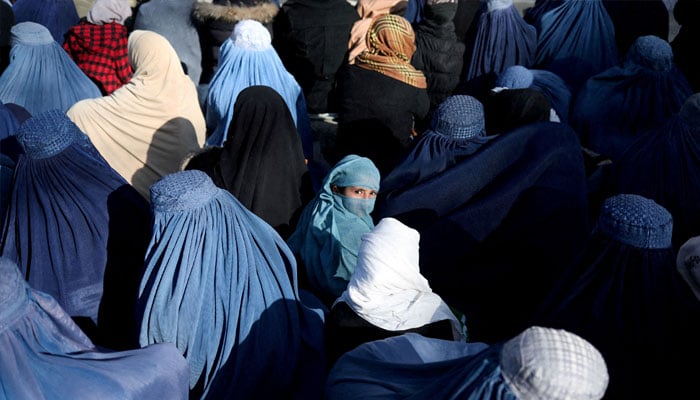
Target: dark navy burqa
x=640 y=93
x=457 y=130
x=45 y=355
x=9 y=152
x=664 y=165
x=538 y=363
x=75 y=227
x=501 y=38
x=575 y=40
x=626 y=297
x=57 y=15
x=518 y=200
x=222 y=285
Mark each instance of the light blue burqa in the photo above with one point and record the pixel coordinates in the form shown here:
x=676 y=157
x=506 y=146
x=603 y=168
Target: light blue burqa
x=221 y=284
x=247 y=58
x=41 y=75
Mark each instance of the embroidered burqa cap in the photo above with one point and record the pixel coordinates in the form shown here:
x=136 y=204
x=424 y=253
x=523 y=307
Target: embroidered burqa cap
x=546 y=363
x=252 y=35
x=459 y=117
x=515 y=77
x=637 y=221
x=652 y=52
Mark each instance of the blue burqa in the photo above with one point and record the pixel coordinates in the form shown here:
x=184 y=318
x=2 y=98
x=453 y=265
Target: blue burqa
x=57 y=15
x=41 y=75
x=45 y=355
x=247 y=58
x=519 y=199
x=664 y=165
x=576 y=40
x=625 y=296
x=502 y=39
x=221 y=284
x=76 y=229
x=640 y=93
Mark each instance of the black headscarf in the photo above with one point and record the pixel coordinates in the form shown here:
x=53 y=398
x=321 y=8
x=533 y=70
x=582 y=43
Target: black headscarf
x=262 y=162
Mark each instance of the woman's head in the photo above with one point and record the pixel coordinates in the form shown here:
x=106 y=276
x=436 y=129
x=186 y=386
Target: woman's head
x=355 y=180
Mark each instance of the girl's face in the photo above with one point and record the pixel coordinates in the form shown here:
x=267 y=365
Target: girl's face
x=357 y=192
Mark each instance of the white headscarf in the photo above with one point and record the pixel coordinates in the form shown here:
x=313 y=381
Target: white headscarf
x=387 y=288
x=147 y=127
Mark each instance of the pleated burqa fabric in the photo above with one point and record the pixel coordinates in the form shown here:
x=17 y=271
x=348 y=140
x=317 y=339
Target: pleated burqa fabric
x=614 y=107
x=9 y=153
x=502 y=39
x=76 y=229
x=261 y=162
x=57 y=15
x=519 y=199
x=625 y=296
x=146 y=128
x=576 y=40
x=41 y=75
x=46 y=356
x=538 y=363
x=221 y=284
x=664 y=165
x=248 y=59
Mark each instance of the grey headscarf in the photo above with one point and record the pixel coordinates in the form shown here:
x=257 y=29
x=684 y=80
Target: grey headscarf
x=106 y=11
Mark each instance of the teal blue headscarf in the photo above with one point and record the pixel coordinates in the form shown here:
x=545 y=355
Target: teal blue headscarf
x=329 y=230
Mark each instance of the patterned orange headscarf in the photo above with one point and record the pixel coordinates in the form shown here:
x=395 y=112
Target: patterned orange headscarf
x=390 y=45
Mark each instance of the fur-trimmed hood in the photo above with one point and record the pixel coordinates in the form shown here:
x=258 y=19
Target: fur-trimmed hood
x=206 y=11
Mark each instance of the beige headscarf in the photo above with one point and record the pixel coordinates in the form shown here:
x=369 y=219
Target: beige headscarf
x=367 y=9
x=391 y=43
x=148 y=126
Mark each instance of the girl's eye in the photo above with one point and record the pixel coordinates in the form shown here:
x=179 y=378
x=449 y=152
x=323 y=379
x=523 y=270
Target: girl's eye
x=359 y=191
x=372 y=193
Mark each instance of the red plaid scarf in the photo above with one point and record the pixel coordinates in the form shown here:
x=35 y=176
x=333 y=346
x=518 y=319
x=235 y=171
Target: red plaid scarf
x=101 y=52
x=390 y=46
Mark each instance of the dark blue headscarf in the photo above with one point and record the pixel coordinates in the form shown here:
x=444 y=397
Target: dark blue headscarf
x=41 y=75
x=626 y=297
x=221 y=284
x=640 y=93
x=74 y=226
x=46 y=355
x=520 y=199
x=576 y=40
x=56 y=15
x=502 y=39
